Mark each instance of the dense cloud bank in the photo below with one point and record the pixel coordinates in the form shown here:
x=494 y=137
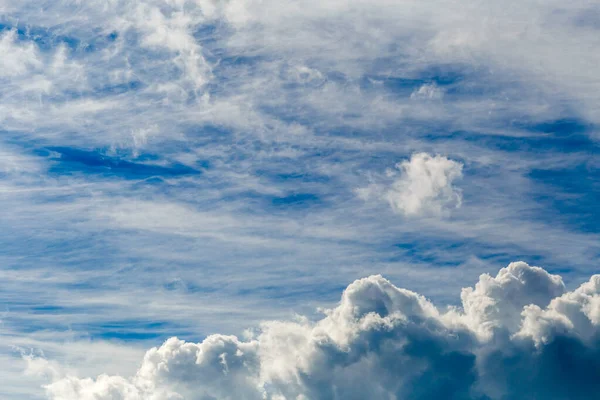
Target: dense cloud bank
x=518 y=335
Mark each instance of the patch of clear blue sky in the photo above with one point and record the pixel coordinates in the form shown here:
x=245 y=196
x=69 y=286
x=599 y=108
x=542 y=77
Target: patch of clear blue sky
x=71 y=160
x=48 y=39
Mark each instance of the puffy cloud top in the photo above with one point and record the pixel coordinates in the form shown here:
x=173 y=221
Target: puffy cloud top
x=497 y=303
x=517 y=335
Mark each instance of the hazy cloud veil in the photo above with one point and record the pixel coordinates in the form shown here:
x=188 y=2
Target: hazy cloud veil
x=204 y=178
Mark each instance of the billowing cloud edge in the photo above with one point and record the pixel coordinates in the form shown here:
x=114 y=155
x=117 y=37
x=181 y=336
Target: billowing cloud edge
x=519 y=334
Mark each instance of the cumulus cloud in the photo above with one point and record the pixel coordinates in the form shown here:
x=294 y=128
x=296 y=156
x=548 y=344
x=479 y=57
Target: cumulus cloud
x=425 y=185
x=422 y=186
x=513 y=288
x=517 y=335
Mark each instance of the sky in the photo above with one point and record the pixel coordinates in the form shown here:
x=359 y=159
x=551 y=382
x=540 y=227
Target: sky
x=299 y=199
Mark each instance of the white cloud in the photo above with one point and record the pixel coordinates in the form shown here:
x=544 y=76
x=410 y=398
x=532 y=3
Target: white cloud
x=576 y=312
x=424 y=186
x=18 y=59
x=173 y=31
x=383 y=342
x=429 y=91
x=497 y=302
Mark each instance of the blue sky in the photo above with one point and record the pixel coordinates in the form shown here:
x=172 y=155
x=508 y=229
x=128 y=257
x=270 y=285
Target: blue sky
x=182 y=168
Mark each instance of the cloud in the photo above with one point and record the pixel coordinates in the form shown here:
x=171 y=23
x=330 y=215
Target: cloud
x=424 y=186
x=20 y=59
x=577 y=312
x=273 y=101
x=428 y=92
x=383 y=342
x=513 y=288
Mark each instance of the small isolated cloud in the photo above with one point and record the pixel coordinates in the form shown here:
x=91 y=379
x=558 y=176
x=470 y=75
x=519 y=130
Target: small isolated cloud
x=512 y=338
x=429 y=91
x=423 y=186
